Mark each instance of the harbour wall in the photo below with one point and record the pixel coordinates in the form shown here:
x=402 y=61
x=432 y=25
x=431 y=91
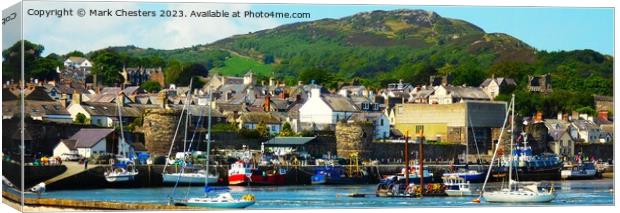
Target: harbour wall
x=604 y=152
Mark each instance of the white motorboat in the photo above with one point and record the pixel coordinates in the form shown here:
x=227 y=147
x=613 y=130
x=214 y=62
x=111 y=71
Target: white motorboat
x=516 y=192
x=457 y=186
x=190 y=177
x=222 y=201
x=581 y=171
x=119 y=174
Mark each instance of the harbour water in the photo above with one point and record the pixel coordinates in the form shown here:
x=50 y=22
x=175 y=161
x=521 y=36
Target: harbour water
x=574 y=192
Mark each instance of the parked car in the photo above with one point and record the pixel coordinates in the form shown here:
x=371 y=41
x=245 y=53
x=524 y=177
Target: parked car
x=70 y=157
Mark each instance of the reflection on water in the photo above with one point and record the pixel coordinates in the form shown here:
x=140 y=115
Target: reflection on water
x=584 y=192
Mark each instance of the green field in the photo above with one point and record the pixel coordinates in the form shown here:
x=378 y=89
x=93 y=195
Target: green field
x=238 y=66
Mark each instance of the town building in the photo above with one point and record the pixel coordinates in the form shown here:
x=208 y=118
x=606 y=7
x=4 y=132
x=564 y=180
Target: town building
x=325 y=110
x=494 y=86
x=452 y=123
x=541 y=83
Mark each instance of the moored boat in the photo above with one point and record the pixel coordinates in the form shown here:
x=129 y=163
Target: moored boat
x=457 y=186
x=241 y=174
x=515 y=192
x=581 y=171
x=197 y=177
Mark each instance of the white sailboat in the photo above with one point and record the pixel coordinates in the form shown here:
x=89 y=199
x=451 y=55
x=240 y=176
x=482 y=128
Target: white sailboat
x=124 y=170
x=182 y=176
x=223 y=200
x=516 y=192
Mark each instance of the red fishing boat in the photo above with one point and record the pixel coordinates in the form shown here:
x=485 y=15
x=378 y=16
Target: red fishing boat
x=242 y=174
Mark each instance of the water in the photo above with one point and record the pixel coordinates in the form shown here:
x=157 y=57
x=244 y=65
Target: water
x=582 y=192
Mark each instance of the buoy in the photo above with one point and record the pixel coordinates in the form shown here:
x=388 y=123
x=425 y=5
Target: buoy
x=476 y=200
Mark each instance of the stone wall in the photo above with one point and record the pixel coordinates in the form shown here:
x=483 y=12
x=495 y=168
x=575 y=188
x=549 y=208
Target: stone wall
x=158 y=128
x=352 y=138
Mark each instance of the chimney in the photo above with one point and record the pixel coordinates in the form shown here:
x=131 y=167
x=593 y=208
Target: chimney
x=63 y=100
x=267 y=104
x=565 y=117
x=539 y=116
x=575 y=115
x=315 y=92
x=300 y=83
x=162 y=98
x=76 y=98
x=559 y=116
x=271 y=82
x=603 y=115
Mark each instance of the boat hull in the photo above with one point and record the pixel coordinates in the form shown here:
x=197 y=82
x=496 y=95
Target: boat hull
x=187 y=178
x=242 y=179
x=119 y=178
x=458 y=193
x=517 y=197
x=222 y=205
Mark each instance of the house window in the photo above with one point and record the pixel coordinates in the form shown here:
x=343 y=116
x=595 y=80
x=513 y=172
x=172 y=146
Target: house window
x=381 y=122
x=419 y=128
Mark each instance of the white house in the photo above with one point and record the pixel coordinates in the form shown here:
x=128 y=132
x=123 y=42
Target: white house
x=494 y=86
x=88 y=142
x=326 y=108
x=78 y=63
x=585 y=131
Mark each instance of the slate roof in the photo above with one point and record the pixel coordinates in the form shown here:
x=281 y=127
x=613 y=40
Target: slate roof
x=76 y=59
x=584 y=125
x=339 y=103
x=466 y=92
x=33 y=108
x=110 y=110
x=289 y=141
x=499 y=81
x=87 y=138
x=552 y=124
x=257 y=117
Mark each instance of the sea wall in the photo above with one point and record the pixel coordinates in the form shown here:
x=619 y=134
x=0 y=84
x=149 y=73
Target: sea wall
x=599 y=151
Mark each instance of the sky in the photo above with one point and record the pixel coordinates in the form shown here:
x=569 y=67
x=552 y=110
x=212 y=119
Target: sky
x=544 y=28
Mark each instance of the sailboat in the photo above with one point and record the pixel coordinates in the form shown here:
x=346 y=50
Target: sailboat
x=182 y=176
x=224 y=199
x=121 y=171
x=516 y=192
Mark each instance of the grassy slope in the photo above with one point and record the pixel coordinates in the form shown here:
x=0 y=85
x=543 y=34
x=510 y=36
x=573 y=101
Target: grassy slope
x=238 y=65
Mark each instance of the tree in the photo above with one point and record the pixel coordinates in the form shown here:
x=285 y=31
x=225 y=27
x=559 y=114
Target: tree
x=319 y=76
x=11 y=64
x=81 y=119
x=173 y=71
x=75 y=53
x=287 y=131
x=151 y=86
x=107 y=64
x=262 y=130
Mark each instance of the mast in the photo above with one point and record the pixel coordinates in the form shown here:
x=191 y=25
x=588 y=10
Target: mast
x=421 y=161
x=512 y=124
x=177 y=128
x=120 y=122
x=208 y=141
x=501 y=133
x=406 y=155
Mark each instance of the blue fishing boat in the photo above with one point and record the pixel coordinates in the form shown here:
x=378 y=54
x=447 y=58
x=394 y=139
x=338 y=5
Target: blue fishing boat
x=338 y=175
x=473 y=176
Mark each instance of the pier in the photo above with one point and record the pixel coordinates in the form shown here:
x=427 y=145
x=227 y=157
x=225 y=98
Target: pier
x=89 y=205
